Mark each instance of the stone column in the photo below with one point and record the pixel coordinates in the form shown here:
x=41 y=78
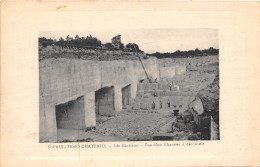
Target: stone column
x=214 y=130
x=48 y=127
x=133 y=90
x=89 y=106
x=118 y=98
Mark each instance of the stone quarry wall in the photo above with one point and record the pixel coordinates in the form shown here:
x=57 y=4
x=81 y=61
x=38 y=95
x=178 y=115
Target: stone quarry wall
x=167 y=72
x=63 y=80
x=162 y=89
x=206 y=106
x=180 y=69
x=104 y=99
x=170 y=67
x=71 y=115
x=161 y=102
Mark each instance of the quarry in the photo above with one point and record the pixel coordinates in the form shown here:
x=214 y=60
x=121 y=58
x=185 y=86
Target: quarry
x=127 y=99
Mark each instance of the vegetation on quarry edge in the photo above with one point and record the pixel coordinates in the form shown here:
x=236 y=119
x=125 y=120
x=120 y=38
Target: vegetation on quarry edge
x=91 y=48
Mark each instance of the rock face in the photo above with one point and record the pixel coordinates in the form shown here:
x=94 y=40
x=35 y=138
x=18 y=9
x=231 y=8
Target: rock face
x=205 y=113
x=210 y=101
x=180 y=69
x=63 y=80
x=167 y=72
x=198 y=106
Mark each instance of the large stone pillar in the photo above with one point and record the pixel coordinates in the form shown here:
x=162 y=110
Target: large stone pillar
x=118 y=98
x=48 y=127
x=90 y=115
x=133 y=90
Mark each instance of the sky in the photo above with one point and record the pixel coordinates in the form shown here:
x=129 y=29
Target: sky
x=153 y=40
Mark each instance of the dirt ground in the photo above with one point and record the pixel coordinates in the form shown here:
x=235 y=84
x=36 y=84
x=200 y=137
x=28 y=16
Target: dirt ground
x=125 y=125
x=130 y=124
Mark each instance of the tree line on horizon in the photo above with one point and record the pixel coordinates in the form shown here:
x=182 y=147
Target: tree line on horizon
x=190 y=53
x=89 y=42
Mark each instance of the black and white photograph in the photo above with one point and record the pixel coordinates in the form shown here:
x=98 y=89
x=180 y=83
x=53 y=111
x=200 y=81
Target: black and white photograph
x=129 y=85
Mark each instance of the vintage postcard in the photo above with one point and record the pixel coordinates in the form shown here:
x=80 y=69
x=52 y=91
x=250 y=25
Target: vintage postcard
x=110 y=91
x=130 y=83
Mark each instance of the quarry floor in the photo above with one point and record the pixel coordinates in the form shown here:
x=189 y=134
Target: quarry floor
x=127 y=124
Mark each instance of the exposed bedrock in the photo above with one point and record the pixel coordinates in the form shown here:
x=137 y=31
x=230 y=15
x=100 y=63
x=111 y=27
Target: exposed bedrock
x=206 y=104
x=73 y=83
